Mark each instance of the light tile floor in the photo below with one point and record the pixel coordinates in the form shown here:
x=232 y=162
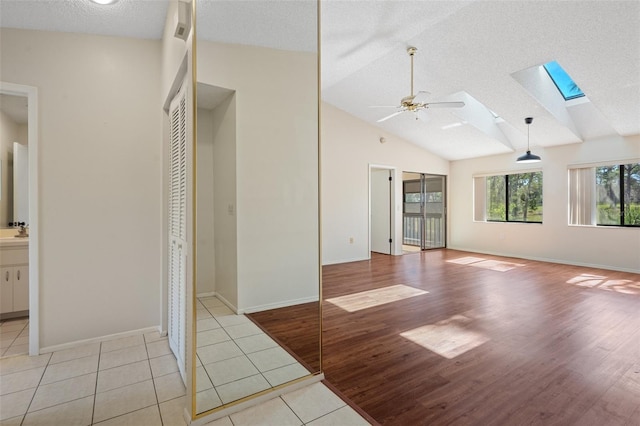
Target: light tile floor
x=235 y=358
x=14 y=337
x=135 y=381
x=132 y=380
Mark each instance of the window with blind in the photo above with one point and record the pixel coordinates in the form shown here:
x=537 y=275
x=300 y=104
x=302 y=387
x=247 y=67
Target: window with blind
x=513 y=197
x=607 y=195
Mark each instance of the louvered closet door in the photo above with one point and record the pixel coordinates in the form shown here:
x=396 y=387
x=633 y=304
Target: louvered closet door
x=177 y=228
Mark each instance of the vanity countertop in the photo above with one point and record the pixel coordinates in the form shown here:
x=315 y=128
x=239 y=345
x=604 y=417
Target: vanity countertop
x=14 y=242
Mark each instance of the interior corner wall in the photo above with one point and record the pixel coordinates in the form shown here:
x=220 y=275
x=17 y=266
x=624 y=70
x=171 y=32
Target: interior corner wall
x=99 y=169
x=276 y=169
x=349 y=145
x=554 y=240
x=9 y=133
x=205 y=251
x=224 y=193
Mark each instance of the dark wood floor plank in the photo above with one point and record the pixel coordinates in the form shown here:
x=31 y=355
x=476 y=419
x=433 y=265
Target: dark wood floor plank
x=551 y=344
x=553 y=352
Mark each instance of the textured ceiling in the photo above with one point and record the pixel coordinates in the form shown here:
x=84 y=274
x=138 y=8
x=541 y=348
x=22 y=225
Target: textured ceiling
x=475 y=47
x=472 y=47
x=128 y=18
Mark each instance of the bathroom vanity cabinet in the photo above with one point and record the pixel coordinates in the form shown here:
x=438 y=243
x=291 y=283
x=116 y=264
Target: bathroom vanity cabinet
x=14 y=278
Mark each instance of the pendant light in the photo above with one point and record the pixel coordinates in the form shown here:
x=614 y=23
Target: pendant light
x=528 y=157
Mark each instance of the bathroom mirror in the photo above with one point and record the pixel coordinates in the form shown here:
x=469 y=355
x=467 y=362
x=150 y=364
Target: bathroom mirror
x=257 y=272
x=14 y=140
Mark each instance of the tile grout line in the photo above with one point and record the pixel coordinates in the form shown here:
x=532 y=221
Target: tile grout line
x=153 y=380
x=95 y=390
x=212 y=385
x=13 y=341
x=24 y=416
x=291 y=409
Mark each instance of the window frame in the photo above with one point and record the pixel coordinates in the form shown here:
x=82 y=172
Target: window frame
x=560 y=73
x=485 y=192
x=582 y=194
x=621 y=189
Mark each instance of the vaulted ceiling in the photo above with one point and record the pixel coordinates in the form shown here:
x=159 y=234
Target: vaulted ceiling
x=482 y=52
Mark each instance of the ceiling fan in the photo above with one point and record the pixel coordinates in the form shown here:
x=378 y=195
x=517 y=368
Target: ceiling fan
x=417 y=103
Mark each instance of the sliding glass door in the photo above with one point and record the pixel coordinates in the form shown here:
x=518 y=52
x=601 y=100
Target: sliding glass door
x=424 y=211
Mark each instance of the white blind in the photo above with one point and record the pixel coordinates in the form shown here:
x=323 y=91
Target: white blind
x=479 y=198
x=582 y=196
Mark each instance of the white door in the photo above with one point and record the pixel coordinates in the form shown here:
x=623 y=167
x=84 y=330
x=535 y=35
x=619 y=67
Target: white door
x=20 y=183
x=178 y=228
x=381 y=210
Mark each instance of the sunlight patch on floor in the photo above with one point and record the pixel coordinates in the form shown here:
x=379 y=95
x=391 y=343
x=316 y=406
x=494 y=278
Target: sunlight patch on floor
x=601 y=282
x=494 y=265
x=411 y=249
x=371 y=298
x=448 y=338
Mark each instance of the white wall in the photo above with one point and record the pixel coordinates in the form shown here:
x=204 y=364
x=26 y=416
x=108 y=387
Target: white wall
x=276 y=169
x=224 y=189
x=349 y=146
x=100 y=167
x=205 y=252
x=554 y=239
x=9 y=133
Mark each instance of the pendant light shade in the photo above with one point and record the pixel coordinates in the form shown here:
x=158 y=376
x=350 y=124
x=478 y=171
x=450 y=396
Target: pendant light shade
x=528 y=157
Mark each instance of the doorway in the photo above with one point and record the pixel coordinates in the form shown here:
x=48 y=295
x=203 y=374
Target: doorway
x=381 y=210
x=24 y=268
x=423 y=212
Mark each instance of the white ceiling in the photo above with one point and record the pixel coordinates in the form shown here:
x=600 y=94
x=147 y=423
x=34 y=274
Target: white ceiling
x=463 y=46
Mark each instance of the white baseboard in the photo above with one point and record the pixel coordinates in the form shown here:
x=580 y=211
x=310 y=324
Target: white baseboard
x=226 y=302
x=206 y=294
x=77 y=343
x=284 y=304
x=550 y=260
x=338 y=261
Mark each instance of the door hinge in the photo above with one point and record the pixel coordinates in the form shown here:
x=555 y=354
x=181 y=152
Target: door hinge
x=390 y=178
x=390 y=240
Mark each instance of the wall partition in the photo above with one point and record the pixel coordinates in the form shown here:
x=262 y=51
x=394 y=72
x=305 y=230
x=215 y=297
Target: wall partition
x=256 y=283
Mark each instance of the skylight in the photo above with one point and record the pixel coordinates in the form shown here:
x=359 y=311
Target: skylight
x=565 y=84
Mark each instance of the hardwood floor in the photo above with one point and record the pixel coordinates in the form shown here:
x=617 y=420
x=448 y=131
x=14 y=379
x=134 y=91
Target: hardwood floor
x=485 y=343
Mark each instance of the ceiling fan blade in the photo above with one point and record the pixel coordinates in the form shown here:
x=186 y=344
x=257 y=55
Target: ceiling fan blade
x=390 y=116
x=445 y=105
x=384 y=106
x=421 y=97
x=423 y=115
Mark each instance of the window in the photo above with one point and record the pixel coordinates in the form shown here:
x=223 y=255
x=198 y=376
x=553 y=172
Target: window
x=412 y=196
x=509 y=198
x=618 y=195
x=565 y=84
x=605 y=195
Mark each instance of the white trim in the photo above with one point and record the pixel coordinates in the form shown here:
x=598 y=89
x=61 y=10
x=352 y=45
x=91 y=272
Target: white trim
x=353 y=259
x=508 y=172
x=31 y=93
x=602 y=163
x=106 y=338
x=549 y=260
x=226 y=302
x=207 y=294
x=394 y=174
x=268 y=306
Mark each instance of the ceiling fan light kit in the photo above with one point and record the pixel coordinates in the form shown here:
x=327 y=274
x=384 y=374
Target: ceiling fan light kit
x=415 y=103
x=528 y=157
